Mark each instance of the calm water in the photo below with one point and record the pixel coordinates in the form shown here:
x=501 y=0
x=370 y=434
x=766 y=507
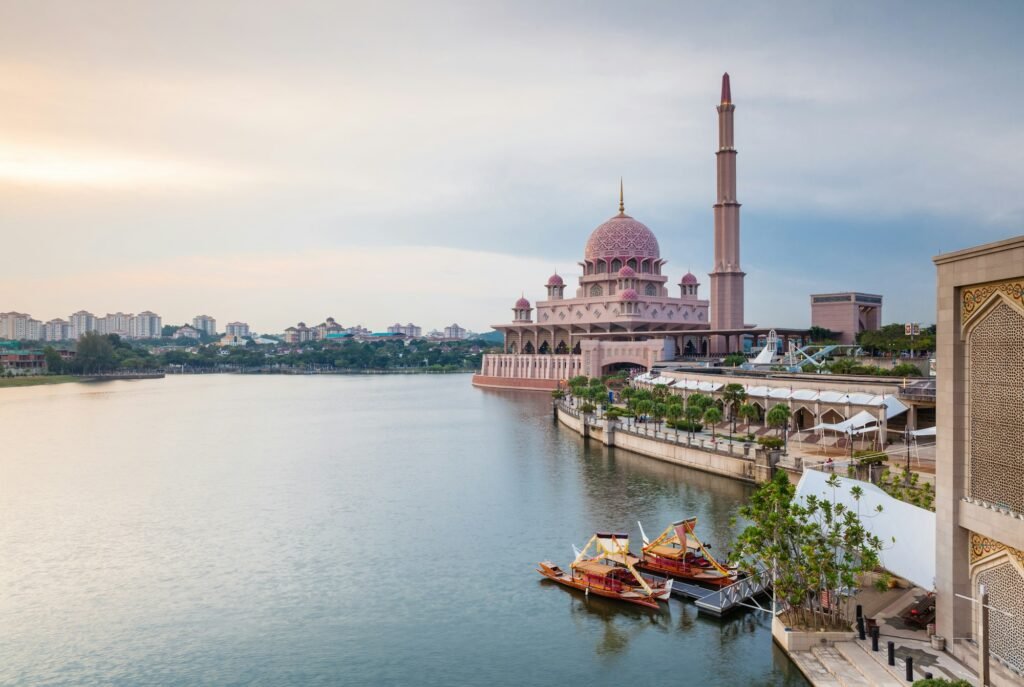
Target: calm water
x=334 y=530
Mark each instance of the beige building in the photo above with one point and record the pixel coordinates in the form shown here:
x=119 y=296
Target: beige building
x=206 y=324
x=846 y=314
x=980 y=452
x=19 y=326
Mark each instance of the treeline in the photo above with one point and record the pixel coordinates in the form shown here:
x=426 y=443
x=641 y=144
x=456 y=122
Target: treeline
x=107 y=353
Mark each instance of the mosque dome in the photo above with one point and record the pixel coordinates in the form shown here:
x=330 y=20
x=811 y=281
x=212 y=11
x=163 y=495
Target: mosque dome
x=555 y=280
x=688 y=278
x=629 y=295
x=622 y=237
x=627 y=272
x=522 y=303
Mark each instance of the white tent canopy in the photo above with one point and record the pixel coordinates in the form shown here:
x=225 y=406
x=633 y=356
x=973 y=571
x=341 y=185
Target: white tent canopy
x=858 y=422
x=927 y=432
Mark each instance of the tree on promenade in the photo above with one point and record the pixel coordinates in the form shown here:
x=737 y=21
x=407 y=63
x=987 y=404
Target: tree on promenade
x=746 y=412
x=94 y=353
x=778 y=417
x=712 y=416
x=732 y=396
x=813 y=548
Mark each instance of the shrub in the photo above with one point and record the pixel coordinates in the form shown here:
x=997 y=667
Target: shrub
x=770 y=442
x=685 y=425
x=941 y=682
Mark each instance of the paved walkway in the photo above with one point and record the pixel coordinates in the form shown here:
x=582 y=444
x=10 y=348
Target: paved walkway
x=854 y=664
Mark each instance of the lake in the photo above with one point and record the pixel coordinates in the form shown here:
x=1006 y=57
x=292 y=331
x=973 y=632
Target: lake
x=352 y=530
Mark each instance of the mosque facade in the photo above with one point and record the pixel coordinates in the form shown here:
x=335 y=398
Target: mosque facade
x=626 y=311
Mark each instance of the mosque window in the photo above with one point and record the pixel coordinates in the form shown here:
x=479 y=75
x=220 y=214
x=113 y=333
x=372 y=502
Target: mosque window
x=646 y=266
x=650 y=290
x=528 y=348
x=596 y=290
x=632 y=263
x=561 y=349
x=544 y=348
x=616 y=265
x=601 y=267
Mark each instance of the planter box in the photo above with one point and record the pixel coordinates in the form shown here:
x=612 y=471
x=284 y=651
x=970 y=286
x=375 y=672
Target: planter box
x=798 y=640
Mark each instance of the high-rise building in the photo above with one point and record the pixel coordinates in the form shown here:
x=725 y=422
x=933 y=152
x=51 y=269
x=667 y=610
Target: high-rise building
x=19 y=326
x=115 y=323
x=206 y=324
x=454 y=331
x=81 y=322
x=726 y=275
x=145 y=325
x=847 y=314
x=56 y=330
x=410 y=330
x=239 y=329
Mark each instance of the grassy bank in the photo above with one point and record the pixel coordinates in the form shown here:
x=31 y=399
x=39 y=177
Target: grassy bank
x=36 y=380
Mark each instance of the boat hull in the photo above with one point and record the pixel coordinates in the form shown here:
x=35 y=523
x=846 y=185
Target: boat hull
x=639 y=599
x=680 y=571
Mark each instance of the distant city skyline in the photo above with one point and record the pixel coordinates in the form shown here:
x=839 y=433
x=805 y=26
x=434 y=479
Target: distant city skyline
x=427 y=163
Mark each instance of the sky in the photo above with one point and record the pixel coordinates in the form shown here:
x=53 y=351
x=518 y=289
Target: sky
x=376 y=162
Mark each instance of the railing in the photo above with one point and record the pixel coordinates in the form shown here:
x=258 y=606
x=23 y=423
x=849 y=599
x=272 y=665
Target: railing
x=739 y=591
x=920 y=390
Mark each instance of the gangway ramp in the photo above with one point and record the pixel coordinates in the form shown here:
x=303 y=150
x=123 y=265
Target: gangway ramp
x=721 y=601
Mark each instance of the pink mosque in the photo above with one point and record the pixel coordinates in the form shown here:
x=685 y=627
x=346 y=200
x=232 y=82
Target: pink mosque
x=625 y=313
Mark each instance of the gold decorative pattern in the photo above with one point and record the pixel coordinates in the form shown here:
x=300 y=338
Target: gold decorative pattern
x=973 y=297
x=983 y=547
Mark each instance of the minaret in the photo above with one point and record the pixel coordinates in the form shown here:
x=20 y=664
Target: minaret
x=726 y=277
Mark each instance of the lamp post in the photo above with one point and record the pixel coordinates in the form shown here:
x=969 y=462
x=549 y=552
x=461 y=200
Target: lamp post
x=906 y=440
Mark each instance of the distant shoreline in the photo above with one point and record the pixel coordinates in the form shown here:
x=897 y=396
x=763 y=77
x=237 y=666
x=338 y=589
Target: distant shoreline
x=43 y=380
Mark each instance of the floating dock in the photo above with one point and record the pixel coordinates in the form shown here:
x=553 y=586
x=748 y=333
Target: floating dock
x=721 y=601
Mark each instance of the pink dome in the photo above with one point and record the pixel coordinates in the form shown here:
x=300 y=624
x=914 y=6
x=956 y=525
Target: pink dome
x=629 y=295
x=688 y=278
x=522 y=303
x=555 y=280
x=627 y=271
x=622 y=237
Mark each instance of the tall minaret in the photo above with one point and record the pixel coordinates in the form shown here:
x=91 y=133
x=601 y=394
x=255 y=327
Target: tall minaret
x=726 y=277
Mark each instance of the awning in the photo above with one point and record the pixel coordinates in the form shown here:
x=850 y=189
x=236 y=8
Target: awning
x=927 y=432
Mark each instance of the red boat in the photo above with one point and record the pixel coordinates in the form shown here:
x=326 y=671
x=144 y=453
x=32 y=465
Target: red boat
x=610 y=571
x=679 y=554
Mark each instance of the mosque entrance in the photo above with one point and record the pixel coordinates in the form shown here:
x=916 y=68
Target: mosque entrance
x=631 y=368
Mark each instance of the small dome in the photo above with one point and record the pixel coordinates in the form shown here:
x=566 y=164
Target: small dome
x=555 y=280
x=522 y=303
x=688 y=278
x=629 y=295
x=627 y=271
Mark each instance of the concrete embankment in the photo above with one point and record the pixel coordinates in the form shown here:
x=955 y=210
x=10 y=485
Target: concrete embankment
x=751 y=465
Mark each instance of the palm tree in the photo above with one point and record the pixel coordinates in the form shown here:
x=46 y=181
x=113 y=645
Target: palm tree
x=692 y=414
x=712 y=416
x=778 y=417
x=733 y=395
x=644 y=407
x=746 y=412
x=673 y=411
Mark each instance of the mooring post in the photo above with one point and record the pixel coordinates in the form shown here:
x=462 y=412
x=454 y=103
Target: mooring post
x=891 y=646
x=860 y=626
x=874 y=638
x=910 y=668
x=860 y=611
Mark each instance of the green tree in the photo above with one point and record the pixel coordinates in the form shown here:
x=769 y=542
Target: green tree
x=747 y=412
x=778 y=417
x=734 y=360
x=94 y=353
x=712 y=416
x=54 y=363
x=644 y=407
x=812 y=547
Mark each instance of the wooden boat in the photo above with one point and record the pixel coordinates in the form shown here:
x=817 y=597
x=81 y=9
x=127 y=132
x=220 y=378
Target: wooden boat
x=606 y=568
x=679 y=554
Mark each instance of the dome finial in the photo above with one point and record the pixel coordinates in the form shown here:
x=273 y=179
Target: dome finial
x=622 y=199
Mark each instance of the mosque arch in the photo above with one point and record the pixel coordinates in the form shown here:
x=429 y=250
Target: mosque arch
x=596 y=290
x=832 y=416
x=528 y=348
x=602 y=267
x=650 y=289
x=576 y=348
x=631 y=263
x=645 y=266
x=512 y=347
x=616 y=265
x=544 y=348
x=561 y=348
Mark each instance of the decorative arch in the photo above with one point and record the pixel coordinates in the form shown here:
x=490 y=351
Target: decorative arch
x=650 y=289
x=528 y=347
x=561 y=348
x=596 y=290
x=832 y=416
x=1001 y=569
x=631 y=263
x=545 y=348
x=602 y=267
x=616 y=265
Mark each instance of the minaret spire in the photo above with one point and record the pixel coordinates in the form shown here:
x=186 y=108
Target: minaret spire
x=622 y=199
x=726 y=275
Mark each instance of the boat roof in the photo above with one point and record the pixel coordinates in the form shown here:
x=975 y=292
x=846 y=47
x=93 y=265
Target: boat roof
x=598 y=566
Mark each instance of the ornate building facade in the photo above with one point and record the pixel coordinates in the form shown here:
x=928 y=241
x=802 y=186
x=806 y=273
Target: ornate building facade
x=625 y=311
x=980 y=453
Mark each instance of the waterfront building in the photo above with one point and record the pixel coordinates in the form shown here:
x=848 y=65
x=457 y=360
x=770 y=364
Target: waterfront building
x=625 y=312
x=239 y=329
x=454 y=331
x=979 y=492
x=328 y=326
x=206 y=324
x=145 y=325
x=846 y=314
x=81 y=322
x=410 y=330
x=18 y=326
x=22 y=362
x=56 y=330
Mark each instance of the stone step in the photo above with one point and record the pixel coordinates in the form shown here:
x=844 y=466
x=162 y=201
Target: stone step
x=842 y=669
x=816 y=673
x=855 y=653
